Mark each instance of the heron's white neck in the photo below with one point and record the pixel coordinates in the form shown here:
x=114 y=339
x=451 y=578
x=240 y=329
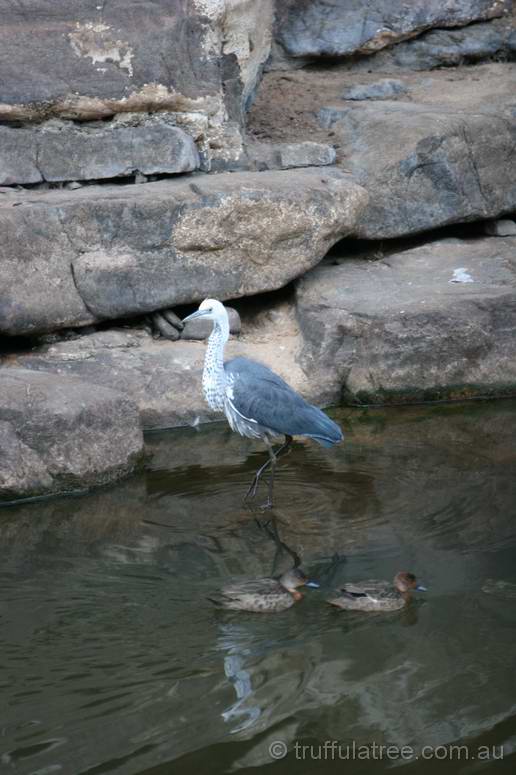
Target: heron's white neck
x=213 y=376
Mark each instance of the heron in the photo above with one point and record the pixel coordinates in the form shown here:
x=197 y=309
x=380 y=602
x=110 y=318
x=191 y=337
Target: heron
x=257 y=403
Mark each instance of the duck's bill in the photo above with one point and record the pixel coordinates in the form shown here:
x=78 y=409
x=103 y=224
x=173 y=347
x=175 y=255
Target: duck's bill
x=312 y=584
x=421 y=588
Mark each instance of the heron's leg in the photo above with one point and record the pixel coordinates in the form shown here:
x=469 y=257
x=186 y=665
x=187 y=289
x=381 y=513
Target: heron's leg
x=272 y=456
x=285 y=447
x=254 y=484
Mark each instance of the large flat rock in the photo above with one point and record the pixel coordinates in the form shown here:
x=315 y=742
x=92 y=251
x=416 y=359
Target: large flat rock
x=432 y=322
x=325 y=28
x=69 y=258
x=440 y=152
x=59 y=434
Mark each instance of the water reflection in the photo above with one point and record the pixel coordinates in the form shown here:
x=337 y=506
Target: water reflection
x=114 y=661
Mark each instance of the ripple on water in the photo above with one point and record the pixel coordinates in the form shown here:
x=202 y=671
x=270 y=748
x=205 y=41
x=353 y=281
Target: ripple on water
x=110 y=645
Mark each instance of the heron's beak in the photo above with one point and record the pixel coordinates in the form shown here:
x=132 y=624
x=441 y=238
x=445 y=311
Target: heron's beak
x=421 y=588
x=199 y=313
x=312 y=584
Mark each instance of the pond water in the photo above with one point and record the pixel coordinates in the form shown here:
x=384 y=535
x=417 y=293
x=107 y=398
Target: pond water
x=114 y=661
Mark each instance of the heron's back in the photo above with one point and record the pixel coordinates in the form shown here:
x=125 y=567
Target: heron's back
x=259 y=399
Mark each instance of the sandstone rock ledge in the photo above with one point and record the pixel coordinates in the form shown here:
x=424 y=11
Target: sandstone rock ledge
x=59 y=434
x=432 y=322
x=104 y=252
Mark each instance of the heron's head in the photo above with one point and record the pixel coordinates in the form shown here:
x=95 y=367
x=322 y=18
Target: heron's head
x=404 y=582
x=295 y=578
x=209 y=309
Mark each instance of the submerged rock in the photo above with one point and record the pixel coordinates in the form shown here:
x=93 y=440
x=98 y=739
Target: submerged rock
x=115 y=251
x=59 y=434
x=405 y=328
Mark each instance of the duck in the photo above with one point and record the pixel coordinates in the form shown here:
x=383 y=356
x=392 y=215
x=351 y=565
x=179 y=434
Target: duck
x=265 y=595
x=377 y=595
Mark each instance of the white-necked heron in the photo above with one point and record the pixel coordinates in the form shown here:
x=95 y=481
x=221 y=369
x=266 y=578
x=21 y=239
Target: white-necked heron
x=256 y=401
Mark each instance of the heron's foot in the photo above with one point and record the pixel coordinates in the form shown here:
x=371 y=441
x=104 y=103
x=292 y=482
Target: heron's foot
x=165 y=324
x=267 y=506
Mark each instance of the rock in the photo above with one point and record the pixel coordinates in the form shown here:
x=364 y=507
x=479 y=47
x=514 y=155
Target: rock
x=162 y=377
x=71 y=258
x=305 y=154
x=60 y=151
x=22 y=471
x=199 y=329
x=501 y=228
x=402 y=329
x=59 y=434
x=324 y=28
x=443 y=48
x=444 y=157
x=163 y=327
x=379 y=90
x=246 y=29
x=274 y=156
x=84 y=60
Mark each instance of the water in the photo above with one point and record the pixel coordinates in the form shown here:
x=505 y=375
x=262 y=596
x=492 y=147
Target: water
x=113 y=661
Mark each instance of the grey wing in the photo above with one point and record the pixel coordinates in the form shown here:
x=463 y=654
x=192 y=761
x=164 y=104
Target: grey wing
x=252 y=587
x=262 y=397
x=372 y=589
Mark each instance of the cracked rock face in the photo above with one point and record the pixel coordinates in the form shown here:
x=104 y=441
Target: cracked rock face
x=432 y=322
x=84 y=59
x=57 y=434
x=313 y=28
x=110 y=251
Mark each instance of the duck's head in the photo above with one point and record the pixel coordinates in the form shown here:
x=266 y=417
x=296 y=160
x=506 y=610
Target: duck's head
x=209 y=309
x=406 y=582
x=295 y=578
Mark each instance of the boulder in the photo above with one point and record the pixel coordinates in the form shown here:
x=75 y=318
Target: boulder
x=82 y=59
x=87 y=60
x=444 y=157
x=70 y=258
x=431 y=322
x=59 y=434
x=324 y=28
x=61 y=151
